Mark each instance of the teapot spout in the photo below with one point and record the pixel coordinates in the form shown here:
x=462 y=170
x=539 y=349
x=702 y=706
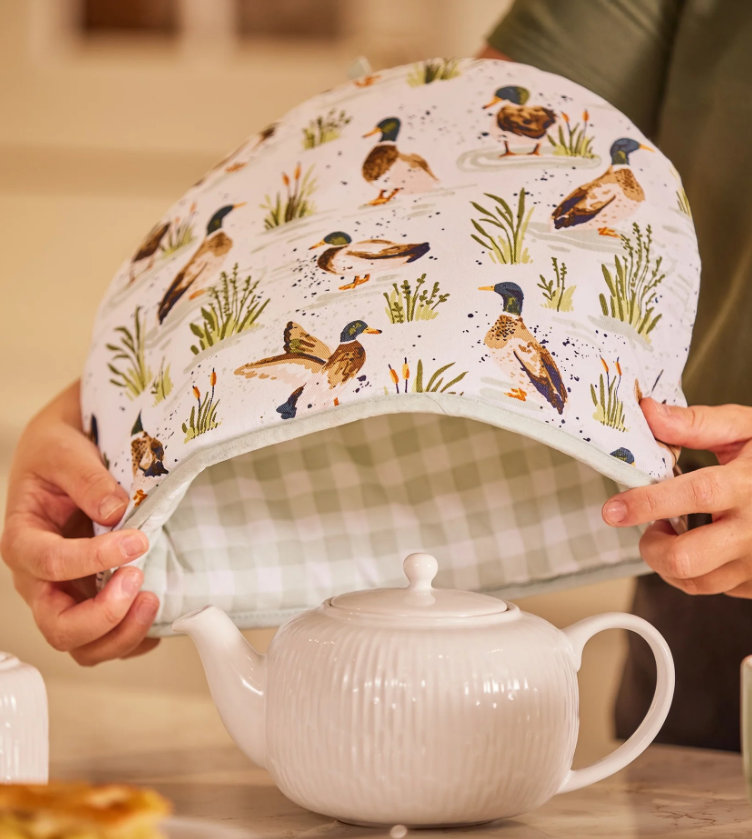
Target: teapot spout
x=236 y=674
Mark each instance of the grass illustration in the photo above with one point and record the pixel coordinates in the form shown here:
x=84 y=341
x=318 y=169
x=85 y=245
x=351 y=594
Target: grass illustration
x=234 y=307
x=576 y=143
x=506 y=248
x=433 y=384
x=180 y=233
x=325 y=129
x=133 y=374
x=161 y=387
x=295 y=203
x=405 y=304
x=203 y=416
x=434 y=70
x=555 y=291
x=683 y=202
x=633 y=283
x=609 y=409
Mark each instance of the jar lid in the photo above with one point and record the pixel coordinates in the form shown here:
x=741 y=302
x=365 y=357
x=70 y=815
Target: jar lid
x=419 y=599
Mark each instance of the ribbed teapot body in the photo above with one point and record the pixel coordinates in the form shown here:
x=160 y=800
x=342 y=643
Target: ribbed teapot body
x=24 y=734
x=425 y=724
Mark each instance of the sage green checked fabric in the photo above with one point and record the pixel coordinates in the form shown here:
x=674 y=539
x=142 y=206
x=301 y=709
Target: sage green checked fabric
x=334 y=511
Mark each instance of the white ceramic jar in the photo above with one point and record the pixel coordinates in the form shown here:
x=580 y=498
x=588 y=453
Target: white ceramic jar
x=24 y=730
x=419 y=706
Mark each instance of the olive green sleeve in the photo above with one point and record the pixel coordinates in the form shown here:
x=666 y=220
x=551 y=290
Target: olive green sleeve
x=619 y=49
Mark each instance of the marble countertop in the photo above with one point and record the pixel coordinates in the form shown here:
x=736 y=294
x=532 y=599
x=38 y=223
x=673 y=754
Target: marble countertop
x=177 y=745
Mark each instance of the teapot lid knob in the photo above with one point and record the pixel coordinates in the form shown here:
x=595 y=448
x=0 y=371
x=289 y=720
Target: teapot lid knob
x=420 y=569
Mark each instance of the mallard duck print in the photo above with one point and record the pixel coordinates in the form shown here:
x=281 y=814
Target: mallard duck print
x=519 y=119
x=144 y=257
x=514 y=348
x=147 y=453
x=344 y=258
x=307 y=364
x=624 y=455
x=607 y=200
x=392 y=171
x=204 y=263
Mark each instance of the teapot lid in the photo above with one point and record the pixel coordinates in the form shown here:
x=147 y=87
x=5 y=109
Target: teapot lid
x=419 y=599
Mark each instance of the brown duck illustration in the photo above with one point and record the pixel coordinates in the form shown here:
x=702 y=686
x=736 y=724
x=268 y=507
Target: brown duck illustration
x=317 y=374
x=608 y=199
x=520 y=119
x=514 y=348
x=148 y=249
x=360 y=259
x=147 y=452
x=230 y=163
x=204 y=263
x=389 y=169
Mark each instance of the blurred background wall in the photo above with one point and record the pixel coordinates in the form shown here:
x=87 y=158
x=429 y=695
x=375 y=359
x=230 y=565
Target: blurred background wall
x=109 y=110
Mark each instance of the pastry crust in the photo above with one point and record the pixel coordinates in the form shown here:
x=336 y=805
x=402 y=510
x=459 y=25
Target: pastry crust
x=79 y=810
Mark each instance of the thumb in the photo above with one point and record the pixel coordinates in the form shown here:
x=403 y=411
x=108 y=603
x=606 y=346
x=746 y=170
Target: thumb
x=74 y=465
x=699 y=426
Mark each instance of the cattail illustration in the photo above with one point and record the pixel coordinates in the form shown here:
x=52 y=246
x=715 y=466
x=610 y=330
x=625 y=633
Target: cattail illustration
x=405 y=373
x=395 y=377
x=203 y=418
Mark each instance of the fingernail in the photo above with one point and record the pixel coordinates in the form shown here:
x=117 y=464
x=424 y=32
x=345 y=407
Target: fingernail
x=133 y=545
x=110 y=505
x=615 y=512
x=146 y=610
x=130 y=582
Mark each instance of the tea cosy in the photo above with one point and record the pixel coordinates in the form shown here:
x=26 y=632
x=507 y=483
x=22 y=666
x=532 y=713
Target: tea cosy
x=417 y=313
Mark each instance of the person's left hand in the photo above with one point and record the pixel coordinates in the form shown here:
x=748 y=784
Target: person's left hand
x=715 y=558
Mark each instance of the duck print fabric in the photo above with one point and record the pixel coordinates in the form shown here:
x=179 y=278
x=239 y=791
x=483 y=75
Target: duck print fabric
x=417 y=313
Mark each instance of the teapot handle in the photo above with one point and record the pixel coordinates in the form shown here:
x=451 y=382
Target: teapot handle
x=579 y=634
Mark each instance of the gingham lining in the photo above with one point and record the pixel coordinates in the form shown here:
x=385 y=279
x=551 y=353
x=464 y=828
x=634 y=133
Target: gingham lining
x=275 y=531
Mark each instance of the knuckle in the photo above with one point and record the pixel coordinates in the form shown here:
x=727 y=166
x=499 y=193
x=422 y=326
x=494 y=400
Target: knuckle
x=57 y=638
x=688 y=586
x=693 y=417
x=705 y=490
x=110 y=614
x=100 y=559
x=83 y=659
x=7 y=541
x=52 y=565
x=679 y=562
x=94 y=484
x=652 y=500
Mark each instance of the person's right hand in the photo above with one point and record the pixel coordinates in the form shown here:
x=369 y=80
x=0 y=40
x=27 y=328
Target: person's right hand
x=58 y=485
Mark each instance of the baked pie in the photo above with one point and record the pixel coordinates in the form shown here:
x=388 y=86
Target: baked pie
x=79 y=810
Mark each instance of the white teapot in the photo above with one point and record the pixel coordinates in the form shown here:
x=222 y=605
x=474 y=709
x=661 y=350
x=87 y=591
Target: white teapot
x=419 y=706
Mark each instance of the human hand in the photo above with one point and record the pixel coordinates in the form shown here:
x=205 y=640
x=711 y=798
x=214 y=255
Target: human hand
x=58 y=485
x=715 y=558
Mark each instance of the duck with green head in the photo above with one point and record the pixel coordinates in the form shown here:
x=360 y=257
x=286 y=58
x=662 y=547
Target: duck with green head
x=609 y=199
x=318 y=375
x=527 y=364
x=203 y=266
x=360 y=259
x=518 y=119
x=390 y=170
